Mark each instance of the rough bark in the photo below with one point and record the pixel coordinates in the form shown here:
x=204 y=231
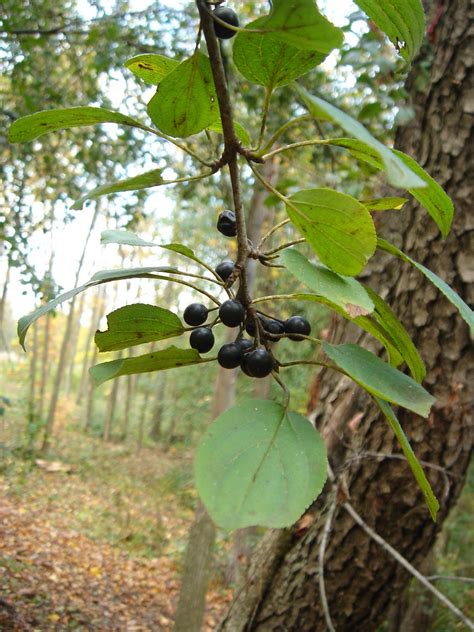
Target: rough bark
x=362 y=580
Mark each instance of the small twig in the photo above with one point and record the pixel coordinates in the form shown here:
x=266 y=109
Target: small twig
x=322 y=552
x=282 y=130
x=286 y=401
x=283 y=246
x=467 y=580
x=266 y=105
x=272 y=231
x=406 y=564
x=303 y=143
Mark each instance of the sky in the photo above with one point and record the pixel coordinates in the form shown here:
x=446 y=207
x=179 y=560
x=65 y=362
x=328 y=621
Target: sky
x=69 y=239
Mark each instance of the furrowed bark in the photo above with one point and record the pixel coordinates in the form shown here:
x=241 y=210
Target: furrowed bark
x=361 y=579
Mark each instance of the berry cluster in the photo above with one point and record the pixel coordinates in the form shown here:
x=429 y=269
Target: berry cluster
x=254 y=360
x=254 y=357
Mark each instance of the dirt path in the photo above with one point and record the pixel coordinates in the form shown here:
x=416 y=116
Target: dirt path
x=53 y=578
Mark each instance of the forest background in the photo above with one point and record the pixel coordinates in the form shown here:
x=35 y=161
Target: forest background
x=109 y=471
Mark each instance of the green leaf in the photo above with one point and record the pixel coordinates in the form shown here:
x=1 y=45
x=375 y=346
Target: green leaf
x=126 y=238
x=185 y=102
x=103 y=276
x=301 y=24
x=385 y=204
x=157 y=361
x=143 y=181
x=464 y=310
x=338 y=227
x=268 y=60
x=240 y=131
x=344 y=291
x=367 y=323
x=390 y=322
x=137 y=324
x=380 y=379
x=398 y=173
x=430 y=498
x=259 y=464
x=433 y=198
x=151 y=68
x=403 y=21
x=123 y=237
x=35 y=125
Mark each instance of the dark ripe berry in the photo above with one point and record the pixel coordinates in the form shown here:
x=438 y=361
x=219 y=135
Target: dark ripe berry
x=202 y=339
x=225 y=269
x=230 y=355
x=244 y=365
x=244 y=345
x=297 y=325
x=272 y=327
x=195 y=314
x=250 y=327
x=229 y=16
x=226 y=224
x=259 y=363
x=232 y=313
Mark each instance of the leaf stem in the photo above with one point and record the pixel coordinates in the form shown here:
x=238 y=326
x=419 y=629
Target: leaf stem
x=303 y=143
x=286 y=401
x=266 y=106
x=302 y=240
x=282 y=130
x=272 y=231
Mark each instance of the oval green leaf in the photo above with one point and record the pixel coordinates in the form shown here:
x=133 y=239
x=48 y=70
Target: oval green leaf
x=344 y=291
x=430 y=498
x=151 y=68
x=432 y=197
x=464 y=310
x=185 y=102
x=301 y=24
x=143 y=181
x=398 y=173
x=137 y=324
x=171 y=358
x=259 y=464
x=103 y=276
x=392 y=325
x=403 y=21
x=35 y=125
x=338 y=227
x=380 y=379
x=269 y=61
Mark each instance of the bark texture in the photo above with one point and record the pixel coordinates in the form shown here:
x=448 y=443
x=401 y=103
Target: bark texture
x=362 y=580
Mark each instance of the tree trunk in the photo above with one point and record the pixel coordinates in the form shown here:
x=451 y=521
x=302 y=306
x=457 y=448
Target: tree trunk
x=192 y=597
x=361 y=579
x=96 y=314
x=64 y=347
x=76 y=330
x=3 y=303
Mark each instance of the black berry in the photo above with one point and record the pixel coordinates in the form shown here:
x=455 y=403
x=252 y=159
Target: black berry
x=195 y=314
x=230 y=355
x=244 y=345
x=250 y=327
x=244 y=365
x=202 y=339
x=259 y=363
x=226 y=224
x=232 y=313
x=225 y=269
x=229 y=16
x=272 y=327
x=297 y=325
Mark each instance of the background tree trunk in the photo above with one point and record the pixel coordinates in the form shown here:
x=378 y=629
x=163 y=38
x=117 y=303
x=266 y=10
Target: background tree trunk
x=362 y=580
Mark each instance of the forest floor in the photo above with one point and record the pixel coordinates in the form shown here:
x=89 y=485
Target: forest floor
x=95 y=542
